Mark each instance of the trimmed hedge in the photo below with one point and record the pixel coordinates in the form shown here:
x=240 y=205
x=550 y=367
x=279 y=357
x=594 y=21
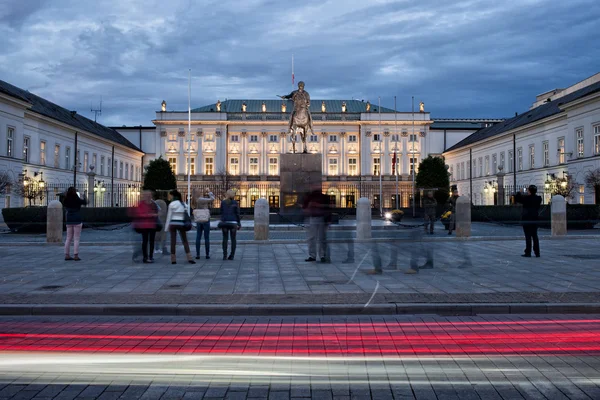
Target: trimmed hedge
x=33 y=219
x=579 y=216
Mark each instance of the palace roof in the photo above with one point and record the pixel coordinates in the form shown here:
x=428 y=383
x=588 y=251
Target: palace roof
x=274 y=106
x=46 y=108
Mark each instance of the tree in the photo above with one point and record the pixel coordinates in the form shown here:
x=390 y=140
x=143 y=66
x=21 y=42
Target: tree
x=434 y=175
x=30 y=190
x=5 y=183
x=159 y=175
x=564 y=187
x=592 y=182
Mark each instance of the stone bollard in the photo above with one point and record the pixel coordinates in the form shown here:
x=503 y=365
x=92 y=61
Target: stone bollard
x=54 y=222
x=559 y=216
x=463 y=217
x=261 y=219
x=363 y=219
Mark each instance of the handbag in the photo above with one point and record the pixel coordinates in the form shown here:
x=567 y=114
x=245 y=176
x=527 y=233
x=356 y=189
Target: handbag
x=187 y=221
x=201 y=215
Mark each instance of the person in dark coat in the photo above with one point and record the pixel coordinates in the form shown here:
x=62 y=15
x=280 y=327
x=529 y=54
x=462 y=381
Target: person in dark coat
x=430 y=208
x=451 y=206
x=72 y=203
x=316 y=208
x=529 y=218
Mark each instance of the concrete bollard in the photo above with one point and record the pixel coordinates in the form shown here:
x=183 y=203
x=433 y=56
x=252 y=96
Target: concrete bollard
x=559 y=216
x=463 y=217
x=363 y=219
x=261 y=219
x=54 y=222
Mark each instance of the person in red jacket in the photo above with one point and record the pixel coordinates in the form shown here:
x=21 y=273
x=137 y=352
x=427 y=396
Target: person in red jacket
x=145 y=222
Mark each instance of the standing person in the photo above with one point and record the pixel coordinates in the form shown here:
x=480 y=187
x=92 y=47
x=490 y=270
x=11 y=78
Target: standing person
x=161 y=236
x=74 y=222
x=178 y=221
x=430 y=206
x=145 y=223
x=202 y=219
x=316 y=208
x=230 y=223
x=451 y=204
x=529 y=219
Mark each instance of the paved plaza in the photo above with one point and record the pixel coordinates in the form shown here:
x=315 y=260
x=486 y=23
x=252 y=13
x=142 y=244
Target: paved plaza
x=285 y=358
x=568 y=271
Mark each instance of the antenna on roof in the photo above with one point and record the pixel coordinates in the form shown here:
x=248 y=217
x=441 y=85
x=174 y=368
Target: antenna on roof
x=96 y=111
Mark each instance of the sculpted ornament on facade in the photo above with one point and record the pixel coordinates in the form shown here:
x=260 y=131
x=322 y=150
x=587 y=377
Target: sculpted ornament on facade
x=219 y=105
x=368 y=106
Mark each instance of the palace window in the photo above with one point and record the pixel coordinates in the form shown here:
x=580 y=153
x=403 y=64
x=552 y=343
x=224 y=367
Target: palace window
x=191 y=165
x=273 y=166
x=520 y=159
x=314 y=138
x=487 y=165
x=42 y=153
x=561 y=150
x=494 y=164
x=463 y=173
x=413 y=164
x=253 y=165
x=120 y=169
x=531 y=156
x=86 y=159
x=412 y=138
x=235 y=138
x=254 y=138
x=332 y=138
x=352 y=167
x=172 y=137
x=102 y=165
x=580 y=147
x=172 y=163
x=546 y=148
x=234 y=166
x=510 y=161
x=333 y=166
x=597 y=139
x=480 y=166
x=209 y=166
x=376 y=137
x=209 y=137
x=273 y=138
x=26 y=149
x=352 y=138
x=68 y=158
x=474 y=168
x=376 y=166
x=501 y=160
x=10 y=136
x=94 y=162
x=395 y=137
x=56 y=156
x=126 y=171
x=78 y=160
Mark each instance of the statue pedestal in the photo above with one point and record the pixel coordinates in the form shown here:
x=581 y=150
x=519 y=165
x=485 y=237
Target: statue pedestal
x=299 y=173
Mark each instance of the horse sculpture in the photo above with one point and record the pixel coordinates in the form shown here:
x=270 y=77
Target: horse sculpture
x=301 y=118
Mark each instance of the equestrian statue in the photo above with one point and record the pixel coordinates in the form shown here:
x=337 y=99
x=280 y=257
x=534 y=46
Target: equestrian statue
x=301 y=118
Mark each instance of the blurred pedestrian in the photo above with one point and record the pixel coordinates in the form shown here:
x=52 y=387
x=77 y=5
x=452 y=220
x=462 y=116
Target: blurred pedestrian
x=202 y=219
x=430 y=208
x=418 y=248
x=230 y=223
x=451 y=205
x=74 y=222
x=178 y=220
x=161 y=236
x=145 y=222
x=316 y=208
x=529 y=219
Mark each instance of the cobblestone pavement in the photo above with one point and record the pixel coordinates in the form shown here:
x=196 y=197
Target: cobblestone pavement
x=277 y=273
x=483 y=357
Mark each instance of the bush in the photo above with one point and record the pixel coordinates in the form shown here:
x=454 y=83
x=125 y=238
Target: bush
x=33 y=219
x=579 y=216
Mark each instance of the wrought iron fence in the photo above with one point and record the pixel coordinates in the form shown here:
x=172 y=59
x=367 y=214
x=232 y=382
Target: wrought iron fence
x=117 y=195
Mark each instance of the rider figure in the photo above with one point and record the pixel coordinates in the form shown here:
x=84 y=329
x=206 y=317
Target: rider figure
x=301 y=100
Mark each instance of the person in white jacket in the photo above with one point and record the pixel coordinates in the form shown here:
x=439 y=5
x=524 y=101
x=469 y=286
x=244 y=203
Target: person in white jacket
x=176 y=217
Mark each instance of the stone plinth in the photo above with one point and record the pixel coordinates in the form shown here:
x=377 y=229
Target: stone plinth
x=261 y=219
x=559 y=216
x=463 y=217
x=299 y=174
x=54 y=222
x=363 y=219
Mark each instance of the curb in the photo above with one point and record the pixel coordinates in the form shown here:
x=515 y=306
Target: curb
x=293 y=241
x=295 y=309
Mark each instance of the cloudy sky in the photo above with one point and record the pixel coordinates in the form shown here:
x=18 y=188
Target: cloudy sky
x=463 y=58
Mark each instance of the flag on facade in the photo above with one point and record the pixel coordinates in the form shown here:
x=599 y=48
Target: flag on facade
x=394 y=164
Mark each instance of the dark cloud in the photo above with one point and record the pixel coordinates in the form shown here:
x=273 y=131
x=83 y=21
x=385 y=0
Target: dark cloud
x=466 y=58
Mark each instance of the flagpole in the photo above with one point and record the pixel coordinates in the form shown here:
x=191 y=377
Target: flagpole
x=292 y=71
x=380 y=164
x=395 y=150
x=189 y=137
x=413 y=157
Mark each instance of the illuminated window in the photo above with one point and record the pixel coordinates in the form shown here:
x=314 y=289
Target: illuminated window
x=581 y=194
x=413 y=164
x=253 y=165
x=173 y=164
x=68 y=158
x=234 y=166
x=191 y=165
x=580 y=147
x=273 y=166
x=209 y=137
x=352 y=167
x=10 y=136
x=597 y=139
x=531 y=156
x=561 y=150
x=209 y=167
x=172 y=137
x=26 y=149
x=376 y=166
x=546 y=148
x=56 y=156
x=333 y=166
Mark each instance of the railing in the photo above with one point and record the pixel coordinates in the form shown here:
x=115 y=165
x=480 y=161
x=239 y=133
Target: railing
x=123 y=195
